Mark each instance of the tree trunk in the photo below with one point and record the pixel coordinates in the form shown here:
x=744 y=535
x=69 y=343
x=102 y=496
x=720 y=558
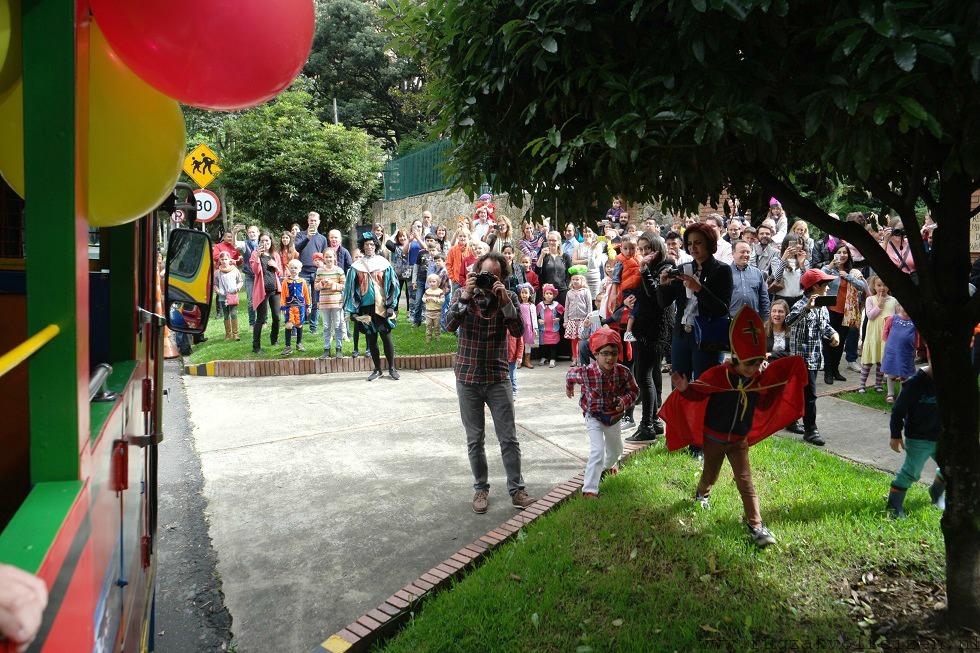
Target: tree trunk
x=959 y=457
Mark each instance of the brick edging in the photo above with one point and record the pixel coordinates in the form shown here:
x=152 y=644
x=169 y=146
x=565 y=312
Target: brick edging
x=296 y=366
x=384 y=621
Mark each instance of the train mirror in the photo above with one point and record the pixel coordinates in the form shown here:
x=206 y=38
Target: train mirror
x=188 y=281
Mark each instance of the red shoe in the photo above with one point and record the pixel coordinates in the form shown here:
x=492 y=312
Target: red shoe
x=590 y=495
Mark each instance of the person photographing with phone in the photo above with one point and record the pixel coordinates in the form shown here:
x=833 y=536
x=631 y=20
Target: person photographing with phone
x=809 y=323
x=484 y=312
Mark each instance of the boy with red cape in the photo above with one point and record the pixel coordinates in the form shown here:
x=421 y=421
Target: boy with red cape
x=732 y=406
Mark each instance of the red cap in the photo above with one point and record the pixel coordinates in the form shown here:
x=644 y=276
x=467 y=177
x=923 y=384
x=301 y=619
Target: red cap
x=606 y=336
x=747 y=334
x=814 y=276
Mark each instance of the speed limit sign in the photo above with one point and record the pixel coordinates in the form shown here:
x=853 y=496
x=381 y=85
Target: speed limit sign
x=208 y=205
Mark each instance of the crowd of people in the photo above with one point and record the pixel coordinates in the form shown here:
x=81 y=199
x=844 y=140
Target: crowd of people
x=625 y=302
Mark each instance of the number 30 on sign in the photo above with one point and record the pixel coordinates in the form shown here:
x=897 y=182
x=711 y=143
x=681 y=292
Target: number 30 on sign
x=208 y=205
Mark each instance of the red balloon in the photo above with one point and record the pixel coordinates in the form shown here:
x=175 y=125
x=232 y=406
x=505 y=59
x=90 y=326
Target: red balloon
x=213 y=54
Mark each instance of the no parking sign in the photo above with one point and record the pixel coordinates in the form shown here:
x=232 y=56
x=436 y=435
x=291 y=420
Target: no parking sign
x=208 y=205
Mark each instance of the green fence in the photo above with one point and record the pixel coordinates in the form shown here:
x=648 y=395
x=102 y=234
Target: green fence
x=417 y=173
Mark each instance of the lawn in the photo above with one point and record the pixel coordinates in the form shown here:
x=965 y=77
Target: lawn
x=407 y=340
x=871 y=399
x=643 y=569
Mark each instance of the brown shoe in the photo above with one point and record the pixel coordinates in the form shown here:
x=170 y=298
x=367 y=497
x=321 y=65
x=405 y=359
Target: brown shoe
x=520 y=499
x=480 y=501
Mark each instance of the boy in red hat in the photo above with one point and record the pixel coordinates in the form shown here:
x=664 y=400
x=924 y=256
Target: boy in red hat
x=608 y=390
x=732 y=406
x=808 y=325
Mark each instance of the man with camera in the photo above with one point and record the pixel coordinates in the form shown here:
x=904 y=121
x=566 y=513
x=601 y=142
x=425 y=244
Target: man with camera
x=484 y=312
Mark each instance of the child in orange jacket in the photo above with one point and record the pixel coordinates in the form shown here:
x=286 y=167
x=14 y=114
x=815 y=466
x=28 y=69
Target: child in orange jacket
x=454 y=259
x=296 y=302
x=625 y=277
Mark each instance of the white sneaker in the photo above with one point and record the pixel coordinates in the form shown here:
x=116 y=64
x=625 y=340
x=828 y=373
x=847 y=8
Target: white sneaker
x=628 y=337
x=854 y=366
x=544 y=360
x=551 y=364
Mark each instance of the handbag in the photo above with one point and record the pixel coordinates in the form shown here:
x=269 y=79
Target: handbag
x=711 y=333
x=231 y=299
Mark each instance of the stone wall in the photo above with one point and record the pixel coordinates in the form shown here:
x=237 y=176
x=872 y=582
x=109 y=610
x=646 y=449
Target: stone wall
x=445 y=207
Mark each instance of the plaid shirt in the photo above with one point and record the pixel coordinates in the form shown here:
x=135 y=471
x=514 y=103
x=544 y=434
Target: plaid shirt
x=600 y=391
x=481 y=353
x=808 y=326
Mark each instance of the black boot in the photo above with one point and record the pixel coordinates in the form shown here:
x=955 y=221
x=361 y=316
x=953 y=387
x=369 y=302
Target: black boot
x=937 y=491
x=813 y=437
x=896 y=499
x=796 y=428
x=828 y=378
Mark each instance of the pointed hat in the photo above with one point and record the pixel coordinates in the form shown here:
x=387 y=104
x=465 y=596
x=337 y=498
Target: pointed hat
x=748 y=335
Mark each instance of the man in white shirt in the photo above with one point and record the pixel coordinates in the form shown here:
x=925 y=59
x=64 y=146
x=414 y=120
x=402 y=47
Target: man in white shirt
x=675 y=249
x=724 y=253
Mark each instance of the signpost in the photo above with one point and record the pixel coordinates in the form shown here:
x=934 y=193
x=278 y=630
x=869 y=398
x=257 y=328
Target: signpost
x=208 y=205
x=201 y=165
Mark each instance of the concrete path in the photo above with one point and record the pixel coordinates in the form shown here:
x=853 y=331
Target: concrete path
x=325 y=494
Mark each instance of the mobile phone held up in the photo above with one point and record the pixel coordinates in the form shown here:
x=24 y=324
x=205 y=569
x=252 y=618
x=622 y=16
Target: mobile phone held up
x=825 y=300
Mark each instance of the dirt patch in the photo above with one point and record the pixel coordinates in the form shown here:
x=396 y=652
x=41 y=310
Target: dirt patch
x=899 y=611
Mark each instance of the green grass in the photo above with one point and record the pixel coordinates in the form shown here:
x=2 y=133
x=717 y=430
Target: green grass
x=407 y=340
x=642 y=569
x=871 y=399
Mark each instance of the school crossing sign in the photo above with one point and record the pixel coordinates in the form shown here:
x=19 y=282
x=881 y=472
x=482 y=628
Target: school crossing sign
x=201 y=165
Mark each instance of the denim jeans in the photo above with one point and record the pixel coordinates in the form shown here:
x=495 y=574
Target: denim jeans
x=249 y=282
x=851 y=344
x=687 y=359
x=311 y=318
x=332 y=318
x=419 y=305
x=499 y=398
x=917 y=452
x=513 y=376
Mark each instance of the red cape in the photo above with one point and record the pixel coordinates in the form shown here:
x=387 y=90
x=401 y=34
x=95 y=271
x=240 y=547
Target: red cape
x=780 y=389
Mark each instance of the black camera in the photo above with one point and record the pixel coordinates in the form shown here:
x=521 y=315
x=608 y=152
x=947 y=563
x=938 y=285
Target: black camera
x=898 y=232
x=485 y=280
x=673 y=272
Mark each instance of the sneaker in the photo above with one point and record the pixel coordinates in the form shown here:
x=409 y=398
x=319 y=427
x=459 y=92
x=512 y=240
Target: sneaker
x=544 y=361
x=839 y=377
x=695 y=453
x=629 y=337
x=480 y=501
x=862 y=390
x=658 y=427
x=552 y=363
x=879 y=389
x=854 y=367
x=610 y=471
x=702 y=500
x=643 y=434
x=520 y=499
x=628 y=422
x=795 y=428
x=356 y=354
x=761 y=536
x=339 y=354
x=255 y=350
x=813 y=437
x=286 y=351
x=590 y=495
x=374 y=375
x=300 y=346
x=325 y=355
x=393 y=373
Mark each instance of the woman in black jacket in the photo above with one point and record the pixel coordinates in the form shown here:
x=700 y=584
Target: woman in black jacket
x=651 y=327
x=553 y=266
x=704 y=288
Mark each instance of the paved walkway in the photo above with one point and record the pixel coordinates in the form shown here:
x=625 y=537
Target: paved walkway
x=327 y=493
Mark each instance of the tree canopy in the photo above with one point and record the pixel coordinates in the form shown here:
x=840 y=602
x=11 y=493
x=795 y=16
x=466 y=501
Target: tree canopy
x=376 y=90
x=281 y=161
x=679 y=99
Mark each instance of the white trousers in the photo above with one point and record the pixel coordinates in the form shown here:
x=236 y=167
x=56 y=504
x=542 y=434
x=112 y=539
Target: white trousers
x=605 y=448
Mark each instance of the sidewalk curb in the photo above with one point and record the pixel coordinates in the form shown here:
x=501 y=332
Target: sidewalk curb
x=384 y=621
x=299 y=366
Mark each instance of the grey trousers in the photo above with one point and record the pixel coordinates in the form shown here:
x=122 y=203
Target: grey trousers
x=499 y=398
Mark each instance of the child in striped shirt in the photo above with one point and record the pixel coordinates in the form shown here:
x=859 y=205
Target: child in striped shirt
x=329 y=281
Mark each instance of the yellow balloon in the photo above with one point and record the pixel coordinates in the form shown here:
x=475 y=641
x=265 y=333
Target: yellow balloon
x=9 y=43
x=12 y=137
x=136 y=140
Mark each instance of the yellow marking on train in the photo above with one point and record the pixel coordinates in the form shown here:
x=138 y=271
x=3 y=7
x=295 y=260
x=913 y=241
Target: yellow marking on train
x=336 y=644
